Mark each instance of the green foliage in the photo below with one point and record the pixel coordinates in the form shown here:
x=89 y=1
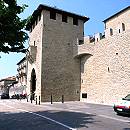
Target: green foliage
x=12 y=34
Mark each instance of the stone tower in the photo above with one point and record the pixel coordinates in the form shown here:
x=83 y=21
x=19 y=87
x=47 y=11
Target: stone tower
x=52 y=69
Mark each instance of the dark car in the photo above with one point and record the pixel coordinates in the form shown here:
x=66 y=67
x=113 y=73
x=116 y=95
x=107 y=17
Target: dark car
x=5 y=96
x=123 y=107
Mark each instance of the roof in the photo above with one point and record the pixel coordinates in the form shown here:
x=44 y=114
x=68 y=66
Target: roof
x=45 y=7
x=117 y=13
x=13 y=78
x=21 y=60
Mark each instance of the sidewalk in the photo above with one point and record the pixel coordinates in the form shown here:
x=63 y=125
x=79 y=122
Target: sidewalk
x=70 y=105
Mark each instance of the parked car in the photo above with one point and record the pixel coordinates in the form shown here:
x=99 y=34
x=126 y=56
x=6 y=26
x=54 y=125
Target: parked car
x=18 y=96
x=123 y=107
x=5 y=96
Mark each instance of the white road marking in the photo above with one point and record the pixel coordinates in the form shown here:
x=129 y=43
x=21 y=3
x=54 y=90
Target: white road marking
x=66 y=126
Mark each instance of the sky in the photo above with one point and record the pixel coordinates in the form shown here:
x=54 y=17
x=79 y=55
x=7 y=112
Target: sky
x=96 y=10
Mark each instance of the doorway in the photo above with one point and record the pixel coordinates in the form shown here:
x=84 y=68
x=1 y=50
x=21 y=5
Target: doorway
x=33 y=84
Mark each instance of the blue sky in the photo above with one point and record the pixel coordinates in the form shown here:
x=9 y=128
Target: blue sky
x=96 y=10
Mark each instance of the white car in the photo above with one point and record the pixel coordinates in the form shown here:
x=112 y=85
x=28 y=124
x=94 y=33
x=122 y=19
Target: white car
x=123 y=107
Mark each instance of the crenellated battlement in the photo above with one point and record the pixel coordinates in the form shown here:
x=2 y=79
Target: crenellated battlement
x=108 y=32
x=94 y=38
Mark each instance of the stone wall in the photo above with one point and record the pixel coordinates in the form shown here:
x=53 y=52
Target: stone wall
x=105 y=75
x=57 y=71
x=60 y=71
x=34 y=59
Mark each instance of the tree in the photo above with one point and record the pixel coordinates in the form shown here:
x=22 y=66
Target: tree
x=12 y=33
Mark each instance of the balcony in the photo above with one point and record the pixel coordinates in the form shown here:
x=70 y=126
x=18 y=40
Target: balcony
x=84 y=49
x=31 y=56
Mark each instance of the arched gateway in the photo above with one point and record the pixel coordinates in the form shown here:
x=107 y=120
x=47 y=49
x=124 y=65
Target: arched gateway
x=33 y=84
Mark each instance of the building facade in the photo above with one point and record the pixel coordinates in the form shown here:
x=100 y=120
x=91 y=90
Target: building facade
x=105 y=61
x=6 y=84
x=64 y=63
x=52 y=69
x=21 y=77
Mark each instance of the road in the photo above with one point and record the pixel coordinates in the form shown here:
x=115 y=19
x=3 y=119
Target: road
x=22 y=115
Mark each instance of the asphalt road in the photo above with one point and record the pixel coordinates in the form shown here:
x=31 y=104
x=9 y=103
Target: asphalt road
x=20 y=115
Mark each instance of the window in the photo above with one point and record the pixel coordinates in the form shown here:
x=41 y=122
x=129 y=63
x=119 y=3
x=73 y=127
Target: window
x=64 y=18
x=123 y=27
x=119 y=31
x=36 y=22
x=39 y=17
x=83 y=33
x=81 y=42
x=108 y=69
x=52 y=15
x=82 y=81
x=75 y=21
x=84 y=95
x=22 y=78
x=33 y=26
x=111 y=31
x=30 y=29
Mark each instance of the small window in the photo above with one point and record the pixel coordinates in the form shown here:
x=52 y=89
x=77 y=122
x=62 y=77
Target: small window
x=36 y=22
x=81 y=42
x=39 y=17
x=119 y=31
x=81 y=80
x=31 y=29
x=84 y=95
x=111 y=31
x=75 y=21
x=108 y=69
x=52 y=15
x=83 y=33
x=64 y=18
x=123 y=27
x=34 y=43
x=33 y=26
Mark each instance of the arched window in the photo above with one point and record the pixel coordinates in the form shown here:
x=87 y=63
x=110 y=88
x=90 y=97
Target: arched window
x=123 y=27
x=111 y=31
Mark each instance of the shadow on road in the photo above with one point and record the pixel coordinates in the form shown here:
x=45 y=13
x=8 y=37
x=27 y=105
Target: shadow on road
x=28 y=121
x=73 y=119
x=124 y=115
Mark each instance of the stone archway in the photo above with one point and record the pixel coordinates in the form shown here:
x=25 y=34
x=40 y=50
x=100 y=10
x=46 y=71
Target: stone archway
x=33 y=84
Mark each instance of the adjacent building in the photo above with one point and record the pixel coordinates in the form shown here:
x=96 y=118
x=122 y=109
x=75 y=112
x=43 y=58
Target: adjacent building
x=22 y=72
x=6 y=84
x=20 y=87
